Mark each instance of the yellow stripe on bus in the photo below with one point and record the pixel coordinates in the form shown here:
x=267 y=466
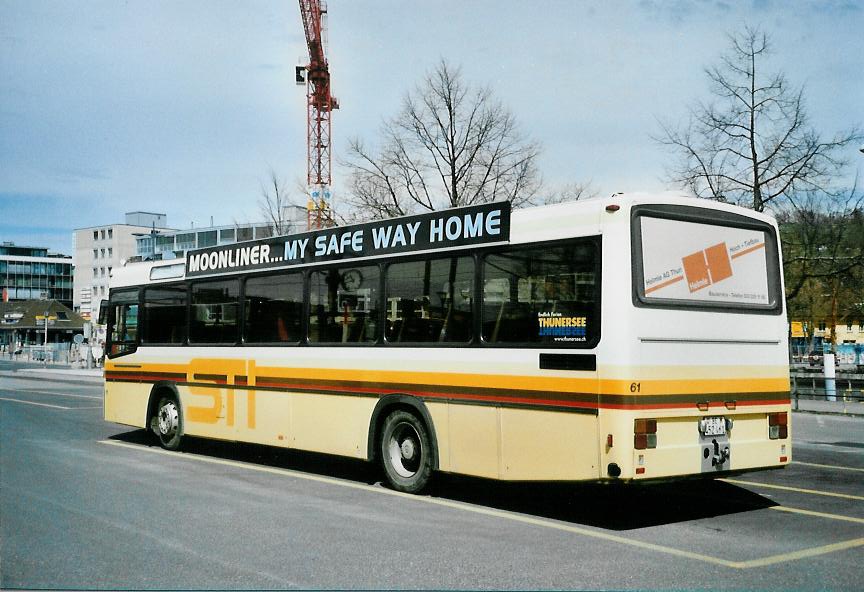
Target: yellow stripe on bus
x=634 y=387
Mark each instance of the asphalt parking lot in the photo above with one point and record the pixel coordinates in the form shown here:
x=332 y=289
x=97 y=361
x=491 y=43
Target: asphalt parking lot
x=88 y=504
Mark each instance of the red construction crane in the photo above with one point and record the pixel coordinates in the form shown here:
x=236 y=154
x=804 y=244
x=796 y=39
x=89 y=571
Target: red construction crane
x=319 y=102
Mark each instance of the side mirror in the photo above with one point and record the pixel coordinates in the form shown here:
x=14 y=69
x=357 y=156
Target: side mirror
x=104 y=308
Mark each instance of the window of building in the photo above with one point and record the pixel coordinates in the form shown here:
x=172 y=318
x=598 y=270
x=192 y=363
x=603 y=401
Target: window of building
x=110 y=233
x=226 y=235
x=547 y=295
x=95 y=235
x=164 y=315
x=95 y=253
x=185 y=241
x=274 y=308
x=213 y=314
x=430 y=301
x=849 y=326
x=244 y=234
x=102 y=234
x=110 y=251
x=821 y=325
x=344 y=305
x=164 y=243
x=207 y=239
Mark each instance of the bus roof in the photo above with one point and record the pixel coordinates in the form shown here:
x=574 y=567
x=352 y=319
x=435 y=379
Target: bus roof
x=550 y=222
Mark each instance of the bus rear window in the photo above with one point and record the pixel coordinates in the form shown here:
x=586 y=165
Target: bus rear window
x=702 y=264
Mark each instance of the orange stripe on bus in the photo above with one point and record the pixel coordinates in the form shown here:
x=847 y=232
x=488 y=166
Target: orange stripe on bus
x=631 y=386
x=664 y=284
x=750 y=250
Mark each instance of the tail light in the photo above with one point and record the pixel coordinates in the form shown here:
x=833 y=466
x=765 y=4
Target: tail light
x=645 y=434
x=778 y=426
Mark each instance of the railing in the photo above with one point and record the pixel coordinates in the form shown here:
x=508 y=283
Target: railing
x=54 y=353
x=809 y=391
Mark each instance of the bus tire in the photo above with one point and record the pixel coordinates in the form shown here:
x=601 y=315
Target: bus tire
x=406 y=452
x=167 y=422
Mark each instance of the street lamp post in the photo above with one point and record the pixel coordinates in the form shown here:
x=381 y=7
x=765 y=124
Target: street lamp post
x=828 y=366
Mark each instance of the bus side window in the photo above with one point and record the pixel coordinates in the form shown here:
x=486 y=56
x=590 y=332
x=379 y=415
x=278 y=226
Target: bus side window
x=274 y=306
x=430 y=301
x=542 y=295
x=344 y=305
x=164 y=315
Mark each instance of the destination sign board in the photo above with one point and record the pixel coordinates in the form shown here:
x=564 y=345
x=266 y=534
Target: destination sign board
x=459 y=227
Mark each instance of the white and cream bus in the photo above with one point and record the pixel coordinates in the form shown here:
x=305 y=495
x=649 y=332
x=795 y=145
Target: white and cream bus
x=630 y=338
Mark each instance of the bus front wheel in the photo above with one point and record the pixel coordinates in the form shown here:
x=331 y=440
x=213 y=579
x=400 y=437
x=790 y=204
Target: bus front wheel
x=406 y=452
x=167 y=423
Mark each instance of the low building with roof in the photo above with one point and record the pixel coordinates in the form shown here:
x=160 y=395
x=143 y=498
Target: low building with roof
x=22 y=323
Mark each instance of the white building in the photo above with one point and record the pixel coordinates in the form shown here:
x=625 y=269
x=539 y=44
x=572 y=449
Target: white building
x=99 y=249
x=173 y=244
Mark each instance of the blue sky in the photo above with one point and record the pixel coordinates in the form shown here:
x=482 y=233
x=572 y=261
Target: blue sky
x=182 y=106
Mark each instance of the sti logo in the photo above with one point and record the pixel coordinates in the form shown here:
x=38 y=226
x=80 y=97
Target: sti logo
x=707 y=267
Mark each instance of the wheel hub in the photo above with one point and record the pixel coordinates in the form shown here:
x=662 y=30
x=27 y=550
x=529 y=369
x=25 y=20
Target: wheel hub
x=404 y=450
x=407 y=448
x=168 y=419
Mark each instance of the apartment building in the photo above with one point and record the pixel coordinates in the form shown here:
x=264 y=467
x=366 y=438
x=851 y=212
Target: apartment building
x=99 y=249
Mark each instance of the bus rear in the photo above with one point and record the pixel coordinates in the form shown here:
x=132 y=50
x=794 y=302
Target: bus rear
x=697 y=379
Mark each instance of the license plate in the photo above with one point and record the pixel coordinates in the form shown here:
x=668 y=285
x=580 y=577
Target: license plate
x=712 y=426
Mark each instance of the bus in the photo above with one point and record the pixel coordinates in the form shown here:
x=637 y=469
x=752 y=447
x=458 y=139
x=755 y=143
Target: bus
x=632 y=338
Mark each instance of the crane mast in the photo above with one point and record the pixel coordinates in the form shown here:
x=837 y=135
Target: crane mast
x=319 y=105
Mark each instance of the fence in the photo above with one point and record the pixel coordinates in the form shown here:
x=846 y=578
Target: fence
x=54 y=353
x=847 y=397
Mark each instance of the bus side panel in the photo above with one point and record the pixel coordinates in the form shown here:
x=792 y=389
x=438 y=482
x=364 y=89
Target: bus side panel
x=439 y=412
x=126 y=403
x=330 y=423
x=264 y=417
x=208 y=412
x=548 y=445
x=474 y=440
x=520 y=444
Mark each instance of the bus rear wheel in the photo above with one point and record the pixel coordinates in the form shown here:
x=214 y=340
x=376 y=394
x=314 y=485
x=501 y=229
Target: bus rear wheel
x=167 y=423
x=406 y=452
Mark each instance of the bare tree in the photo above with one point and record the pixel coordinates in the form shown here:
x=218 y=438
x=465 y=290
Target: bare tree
x=753 y=145
x=568 y=192
x=452 y=144
x=275 y=201
x=823 y=256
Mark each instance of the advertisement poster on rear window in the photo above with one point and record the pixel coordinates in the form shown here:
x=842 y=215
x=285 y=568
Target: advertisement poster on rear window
x=703 y=263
